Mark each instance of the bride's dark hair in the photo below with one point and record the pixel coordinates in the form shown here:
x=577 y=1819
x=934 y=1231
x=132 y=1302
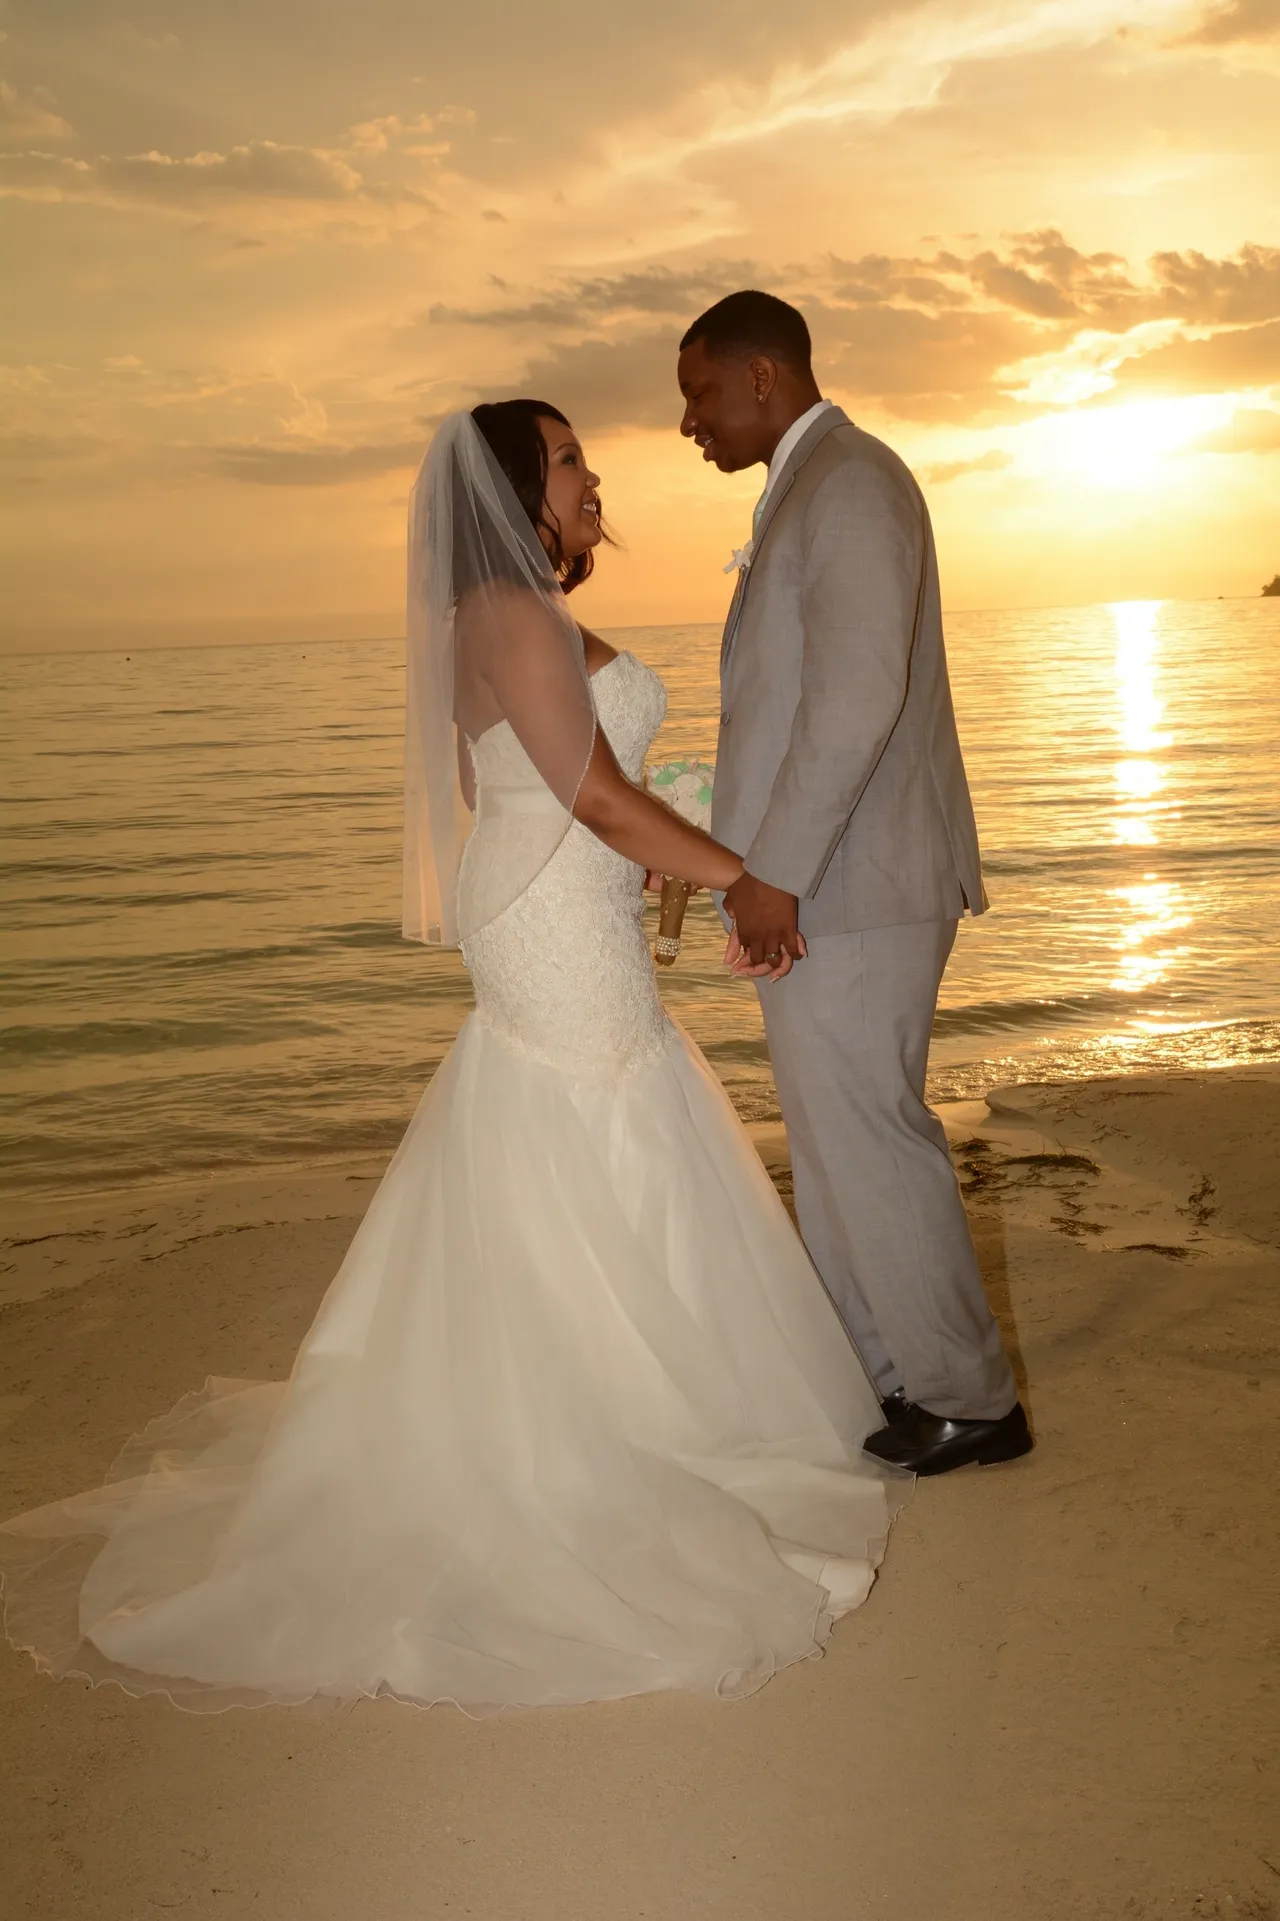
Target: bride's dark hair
x=515 y=439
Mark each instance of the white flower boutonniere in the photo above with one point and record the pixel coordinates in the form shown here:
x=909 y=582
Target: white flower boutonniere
x=741 y=558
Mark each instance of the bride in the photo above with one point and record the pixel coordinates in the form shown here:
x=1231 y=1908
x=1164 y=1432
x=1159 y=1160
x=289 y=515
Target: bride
x=576 y=1419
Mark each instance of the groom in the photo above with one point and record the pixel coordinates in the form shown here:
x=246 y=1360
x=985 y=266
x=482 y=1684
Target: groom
x=839 y=781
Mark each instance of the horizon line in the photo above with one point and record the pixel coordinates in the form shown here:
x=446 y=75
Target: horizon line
x=81 y=641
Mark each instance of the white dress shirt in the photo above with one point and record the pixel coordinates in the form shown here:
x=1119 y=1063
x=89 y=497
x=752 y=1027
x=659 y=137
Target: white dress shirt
x=741 y=556
x=782 y=453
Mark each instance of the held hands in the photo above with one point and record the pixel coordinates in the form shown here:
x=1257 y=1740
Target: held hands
x=766 y=938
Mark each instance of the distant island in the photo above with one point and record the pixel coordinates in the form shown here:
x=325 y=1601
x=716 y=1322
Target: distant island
x=1272 y=589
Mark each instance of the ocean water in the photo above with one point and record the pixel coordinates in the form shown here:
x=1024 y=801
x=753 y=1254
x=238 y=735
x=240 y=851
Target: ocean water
x=201 y=961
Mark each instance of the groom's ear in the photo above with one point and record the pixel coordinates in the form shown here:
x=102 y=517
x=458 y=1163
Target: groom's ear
x=764 y=376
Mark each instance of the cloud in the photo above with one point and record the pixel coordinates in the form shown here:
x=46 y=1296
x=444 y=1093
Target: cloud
x=1237 y=21
x=918 y=365
x=931 y=337
x=1044 y=276
x=122 y=422
x=1256 y=431
x=315 y=466
x=1015 y=287
x=77 y=461
x=896 y=331
x=30 y=116
x=20 y=448
x=260 y=170
x=1041 y=311
x=26 y=457
x=874 y=279
x=1238 y=358
x=603 y=384
x=260 y=186
x=1195 y=288
x=942 y=471
x=679 y=293
x=914 y=364
x=900 y=64
x=389 y=131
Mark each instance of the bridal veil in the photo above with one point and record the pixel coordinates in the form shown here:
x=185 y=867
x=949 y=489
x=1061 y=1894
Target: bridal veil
x=490 y=640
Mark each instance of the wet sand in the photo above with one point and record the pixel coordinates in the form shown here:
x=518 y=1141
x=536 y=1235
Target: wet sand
x=1059 y=1704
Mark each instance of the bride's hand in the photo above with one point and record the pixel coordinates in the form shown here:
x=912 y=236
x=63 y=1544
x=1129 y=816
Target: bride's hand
x=741 y=968
x=653 y=882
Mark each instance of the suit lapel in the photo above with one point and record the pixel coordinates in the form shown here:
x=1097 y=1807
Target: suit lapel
x=826 y=423
x=731 y=618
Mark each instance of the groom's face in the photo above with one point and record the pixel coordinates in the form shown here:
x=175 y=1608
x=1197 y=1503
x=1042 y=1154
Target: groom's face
x=722 y=408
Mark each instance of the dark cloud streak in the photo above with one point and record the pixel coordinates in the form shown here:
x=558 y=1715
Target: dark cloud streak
x=925 y=338
x=603 y=384
x=657 y=290
x=1211 y=292
x=260 y=171
x=316 y=466
x=1240 y=357
x=1239 y=20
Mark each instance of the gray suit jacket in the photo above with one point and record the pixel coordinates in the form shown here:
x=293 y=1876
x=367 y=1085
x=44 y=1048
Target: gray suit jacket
x=838 y=769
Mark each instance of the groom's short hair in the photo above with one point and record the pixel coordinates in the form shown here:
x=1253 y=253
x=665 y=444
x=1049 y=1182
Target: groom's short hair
x=749 y=323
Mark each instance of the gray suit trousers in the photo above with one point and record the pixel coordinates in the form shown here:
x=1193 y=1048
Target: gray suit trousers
x=876 y=1195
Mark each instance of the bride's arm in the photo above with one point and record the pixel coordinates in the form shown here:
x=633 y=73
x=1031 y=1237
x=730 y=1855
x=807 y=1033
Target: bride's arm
x=643 y=830
x=510 y=640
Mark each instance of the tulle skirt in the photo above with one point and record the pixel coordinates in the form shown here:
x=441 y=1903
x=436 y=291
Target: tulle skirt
x=575 y=1421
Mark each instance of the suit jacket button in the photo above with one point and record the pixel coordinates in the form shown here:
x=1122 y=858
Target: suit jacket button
x=724 y=720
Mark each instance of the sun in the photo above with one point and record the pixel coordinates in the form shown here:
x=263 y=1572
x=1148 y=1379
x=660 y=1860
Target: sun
x=1123 y=446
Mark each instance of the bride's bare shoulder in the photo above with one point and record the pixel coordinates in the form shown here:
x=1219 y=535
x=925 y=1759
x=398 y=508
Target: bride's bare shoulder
x=598 y=652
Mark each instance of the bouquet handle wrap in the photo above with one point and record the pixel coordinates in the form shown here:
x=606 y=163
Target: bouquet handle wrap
x=685 y=786
x=675 y=898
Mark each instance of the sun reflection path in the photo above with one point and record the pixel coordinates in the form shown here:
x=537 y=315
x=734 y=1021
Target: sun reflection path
x=1139 y=779
x=1152 y=908
x=1155 y=908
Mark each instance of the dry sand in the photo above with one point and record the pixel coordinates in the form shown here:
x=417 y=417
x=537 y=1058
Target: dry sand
x=1060 y=1701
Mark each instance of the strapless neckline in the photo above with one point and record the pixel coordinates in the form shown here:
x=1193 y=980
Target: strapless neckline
x=623 y=653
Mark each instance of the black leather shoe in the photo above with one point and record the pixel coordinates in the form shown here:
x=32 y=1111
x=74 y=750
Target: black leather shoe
x=927 y=1443
x=895 y=1407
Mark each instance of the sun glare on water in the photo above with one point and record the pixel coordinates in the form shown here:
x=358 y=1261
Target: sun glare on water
x=1152 y=908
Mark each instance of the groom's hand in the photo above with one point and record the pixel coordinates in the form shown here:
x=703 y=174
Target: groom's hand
x=766 y=933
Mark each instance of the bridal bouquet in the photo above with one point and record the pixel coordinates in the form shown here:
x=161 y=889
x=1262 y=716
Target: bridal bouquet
x=685 y=786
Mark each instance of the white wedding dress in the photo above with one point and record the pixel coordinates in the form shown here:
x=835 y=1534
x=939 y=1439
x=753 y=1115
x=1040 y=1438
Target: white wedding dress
x=576 y=1419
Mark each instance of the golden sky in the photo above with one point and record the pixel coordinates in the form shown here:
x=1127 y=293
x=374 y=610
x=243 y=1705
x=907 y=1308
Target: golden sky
x=261 y=245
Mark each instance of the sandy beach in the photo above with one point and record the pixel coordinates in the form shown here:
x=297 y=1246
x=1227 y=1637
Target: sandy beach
x=1060 y=1702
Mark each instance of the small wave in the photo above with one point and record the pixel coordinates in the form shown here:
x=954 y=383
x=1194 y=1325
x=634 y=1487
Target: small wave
x=744 y=1053
x=1232 y=1043
x=363 y=933
x=1003 y=1016
x=193 y=860
x=195 y=897
x=125 y=1037
x=1065 y=863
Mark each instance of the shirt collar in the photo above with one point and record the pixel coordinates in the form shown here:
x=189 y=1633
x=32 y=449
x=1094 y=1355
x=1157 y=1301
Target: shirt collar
x=790 y=441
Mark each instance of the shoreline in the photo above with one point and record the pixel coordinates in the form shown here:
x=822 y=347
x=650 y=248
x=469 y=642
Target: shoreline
x=1055 y=1702
x=57 y=1240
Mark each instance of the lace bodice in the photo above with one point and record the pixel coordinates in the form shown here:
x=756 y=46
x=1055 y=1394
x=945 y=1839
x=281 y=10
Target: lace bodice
x=565 y=974
x=631 y=703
